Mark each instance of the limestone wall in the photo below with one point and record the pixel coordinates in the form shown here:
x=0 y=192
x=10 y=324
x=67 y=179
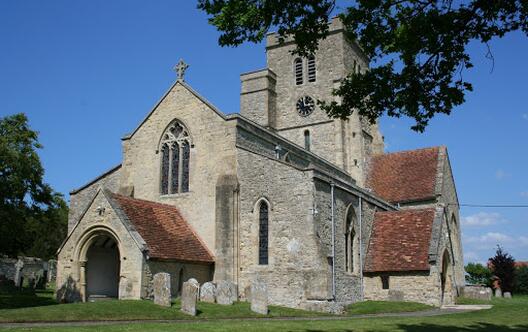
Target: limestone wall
x=297 y=267
x=81 y=198
x=212 y=155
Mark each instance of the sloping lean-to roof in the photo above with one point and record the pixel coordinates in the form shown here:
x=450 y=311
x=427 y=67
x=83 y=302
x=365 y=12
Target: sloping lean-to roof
x=167 y=235
x=400 y=241
x=405 y=176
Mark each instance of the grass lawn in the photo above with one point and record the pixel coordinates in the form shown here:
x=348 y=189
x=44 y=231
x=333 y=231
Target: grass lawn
x=506 y=316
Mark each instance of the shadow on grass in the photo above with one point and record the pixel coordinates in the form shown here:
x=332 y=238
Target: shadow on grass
x=25 y=298
x=470 y=328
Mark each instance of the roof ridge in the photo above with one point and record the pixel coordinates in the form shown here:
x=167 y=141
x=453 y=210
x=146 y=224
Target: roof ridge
x=412 y=150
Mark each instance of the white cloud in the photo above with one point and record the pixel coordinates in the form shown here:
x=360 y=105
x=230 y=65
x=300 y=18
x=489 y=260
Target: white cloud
x=500 y=174
x=471 y=256
x=482 y=219
x=488 y=240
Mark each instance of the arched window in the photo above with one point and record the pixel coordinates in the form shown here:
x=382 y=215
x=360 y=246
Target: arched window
x=263 y=233
x=351 y=247
x=307 y=140
x=298 y=69
x=311 y=69
x=175 y=154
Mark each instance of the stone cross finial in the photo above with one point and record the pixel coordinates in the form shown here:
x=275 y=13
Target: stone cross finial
x=180 y=69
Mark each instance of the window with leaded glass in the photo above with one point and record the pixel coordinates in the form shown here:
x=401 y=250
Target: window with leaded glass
x=263 y=233
x=175 y=159
x=350 y=241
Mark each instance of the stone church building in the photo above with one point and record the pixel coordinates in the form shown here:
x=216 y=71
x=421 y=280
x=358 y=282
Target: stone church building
x=278 y=192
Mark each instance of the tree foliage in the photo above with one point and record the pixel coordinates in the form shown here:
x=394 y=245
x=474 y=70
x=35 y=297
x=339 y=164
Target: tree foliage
x=478 y=274
x=521 y=280
x=33 y=218
x=502 y=266
x=418 y=48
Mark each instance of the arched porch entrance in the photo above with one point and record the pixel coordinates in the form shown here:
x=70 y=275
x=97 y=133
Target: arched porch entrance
x=100 y=265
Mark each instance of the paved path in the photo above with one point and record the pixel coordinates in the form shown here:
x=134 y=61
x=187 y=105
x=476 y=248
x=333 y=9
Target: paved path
x=427 y=313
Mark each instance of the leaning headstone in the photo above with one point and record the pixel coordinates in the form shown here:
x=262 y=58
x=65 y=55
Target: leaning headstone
x=507 y=295
x=189 y=297
x=162 y=289
x=18 y=274
x=226 y=292
x=498 y=292
x=259 y=297
x=208 y=292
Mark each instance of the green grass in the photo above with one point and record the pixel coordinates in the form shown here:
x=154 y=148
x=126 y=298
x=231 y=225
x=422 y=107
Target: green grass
x=377 y=307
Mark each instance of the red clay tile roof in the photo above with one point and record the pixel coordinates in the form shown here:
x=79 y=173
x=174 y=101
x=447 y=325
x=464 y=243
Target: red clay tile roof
x=400 y=241
x=167 y=234
x=404 y=176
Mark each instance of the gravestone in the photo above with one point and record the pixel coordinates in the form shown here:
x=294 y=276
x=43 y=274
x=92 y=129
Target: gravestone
x=162 y=289
x=259 y=297
x=208 y=292
x=18 y=274
x=396 y=295
x=189 y=297
x=498 y=292
x=507 y=295
x=226 y=292
x=478 y=292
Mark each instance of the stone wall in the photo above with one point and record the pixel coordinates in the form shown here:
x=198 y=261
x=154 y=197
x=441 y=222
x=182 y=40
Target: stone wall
x=212 y=155
x=82 y=197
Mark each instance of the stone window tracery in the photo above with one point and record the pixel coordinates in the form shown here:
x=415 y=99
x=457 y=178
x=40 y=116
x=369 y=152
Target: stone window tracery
x=175 y=158
x=298 y=68
x=311 y=69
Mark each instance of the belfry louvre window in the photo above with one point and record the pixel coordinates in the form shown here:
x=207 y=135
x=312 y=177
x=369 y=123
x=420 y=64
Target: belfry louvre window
x=298 y=68
x=263 y=233
x=175 y=157
x=311 y=69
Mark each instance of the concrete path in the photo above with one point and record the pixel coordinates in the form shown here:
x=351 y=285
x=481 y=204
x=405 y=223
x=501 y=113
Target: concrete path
x=435 y=312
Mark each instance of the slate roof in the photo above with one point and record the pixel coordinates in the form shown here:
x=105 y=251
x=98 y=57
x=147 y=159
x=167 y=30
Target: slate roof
x=404 y=176
x=400 y=241
x=167 y=235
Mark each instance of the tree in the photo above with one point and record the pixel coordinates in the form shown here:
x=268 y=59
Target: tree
x=502 y=266
x=27 y=204
x=418 y=48
x=521 y=280
x=478 y=274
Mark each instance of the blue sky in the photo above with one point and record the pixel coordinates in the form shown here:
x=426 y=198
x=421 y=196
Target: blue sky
x=87 y=72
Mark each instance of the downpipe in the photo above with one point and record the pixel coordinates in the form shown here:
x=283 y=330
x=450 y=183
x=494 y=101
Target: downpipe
x=360 y=217
x=332 y=194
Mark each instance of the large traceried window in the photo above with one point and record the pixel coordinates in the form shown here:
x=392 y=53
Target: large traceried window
x=263 y=233
x=351 y=245
x=175 y=147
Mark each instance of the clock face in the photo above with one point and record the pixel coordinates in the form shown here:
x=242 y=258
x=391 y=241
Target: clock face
x=305 y=106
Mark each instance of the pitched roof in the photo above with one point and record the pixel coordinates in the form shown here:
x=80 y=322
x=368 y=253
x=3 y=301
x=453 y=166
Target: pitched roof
x=167 y=235
x=400 y=241
x=404 y=176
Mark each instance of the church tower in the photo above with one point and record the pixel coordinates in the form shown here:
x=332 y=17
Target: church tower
x=283 y=97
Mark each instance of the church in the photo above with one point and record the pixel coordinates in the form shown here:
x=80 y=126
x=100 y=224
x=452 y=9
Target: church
x=278 y=192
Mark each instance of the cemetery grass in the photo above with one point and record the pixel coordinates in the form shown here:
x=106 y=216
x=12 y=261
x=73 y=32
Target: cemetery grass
x=505 y=316
x=39 y=306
